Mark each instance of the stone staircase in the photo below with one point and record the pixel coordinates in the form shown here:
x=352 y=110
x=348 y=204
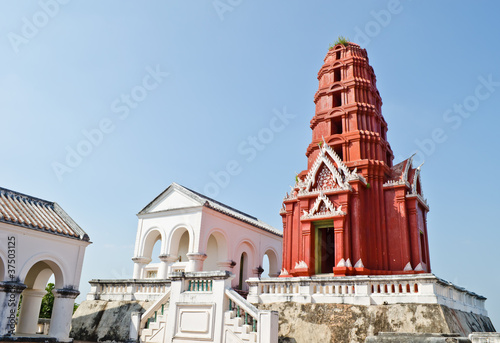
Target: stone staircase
x=236 y=330
x=153 y=324
x=155 y=329
x=202 y=306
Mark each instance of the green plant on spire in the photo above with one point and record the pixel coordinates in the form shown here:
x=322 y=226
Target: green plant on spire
x=340 y=40
x=296 y=178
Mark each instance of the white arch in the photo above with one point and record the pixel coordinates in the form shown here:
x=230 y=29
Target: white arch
x=274 y=262
x=149 y=239
x=174 y=238
x=221 y=238
x=245 y=246
x=58 y=267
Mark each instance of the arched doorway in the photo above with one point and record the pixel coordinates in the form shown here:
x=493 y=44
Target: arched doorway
x=36 y=282
x=243 y=273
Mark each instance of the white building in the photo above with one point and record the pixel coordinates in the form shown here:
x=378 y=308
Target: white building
x=206 y=250
x=200 y=234
x=38 y=240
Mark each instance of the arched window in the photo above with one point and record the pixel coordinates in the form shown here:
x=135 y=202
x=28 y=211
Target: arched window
x=243 y=271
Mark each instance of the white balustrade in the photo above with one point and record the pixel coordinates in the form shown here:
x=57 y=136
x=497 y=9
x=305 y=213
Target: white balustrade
x=366 y=290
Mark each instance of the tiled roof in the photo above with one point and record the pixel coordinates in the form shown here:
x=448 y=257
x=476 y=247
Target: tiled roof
x=37 y=214
x=219 y=207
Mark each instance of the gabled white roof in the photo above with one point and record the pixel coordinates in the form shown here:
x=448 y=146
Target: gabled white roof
x=177 y=197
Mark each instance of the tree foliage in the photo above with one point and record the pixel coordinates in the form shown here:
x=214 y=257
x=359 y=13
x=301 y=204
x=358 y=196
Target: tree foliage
x=47 y=302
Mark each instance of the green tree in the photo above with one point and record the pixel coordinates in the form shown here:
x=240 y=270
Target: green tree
x=47 y=302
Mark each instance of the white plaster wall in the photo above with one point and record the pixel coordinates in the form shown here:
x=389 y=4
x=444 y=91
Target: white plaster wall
x=174 y=213
x=232 y=236
x=65 y=255
x=240 y=237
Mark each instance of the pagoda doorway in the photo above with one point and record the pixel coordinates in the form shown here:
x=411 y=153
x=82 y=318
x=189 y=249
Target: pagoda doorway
x=324 y=247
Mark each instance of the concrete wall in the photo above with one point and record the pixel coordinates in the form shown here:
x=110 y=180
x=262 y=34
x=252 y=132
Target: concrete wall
x=304 y=323
x=100 y=320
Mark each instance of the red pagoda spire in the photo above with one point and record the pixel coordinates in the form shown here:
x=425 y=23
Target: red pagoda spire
x=352 y=212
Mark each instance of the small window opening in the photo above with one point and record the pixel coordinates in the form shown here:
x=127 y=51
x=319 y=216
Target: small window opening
x=336 y=75
x=337 y=126
x=338 y=55
x=337 y=99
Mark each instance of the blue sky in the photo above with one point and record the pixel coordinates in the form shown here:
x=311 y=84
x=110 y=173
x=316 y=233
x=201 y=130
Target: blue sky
x=219 y=71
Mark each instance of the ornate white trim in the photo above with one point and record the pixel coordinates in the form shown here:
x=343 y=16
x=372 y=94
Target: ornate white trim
x=348 y=263
x=301 y=265
x=396 y=183
x=284 y=272
x=407 y=169
x=290 y=197
x=404 y=177
x=408 y=267
x=359 y=264
x=330 y=212
x=341 y=263
x=419 y=267
x=416 y=178
x=341 y=174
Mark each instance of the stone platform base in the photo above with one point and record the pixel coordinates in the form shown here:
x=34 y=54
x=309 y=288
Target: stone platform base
x=385 y=337
x=305 y=323
x=28 y=339
x=100 y=320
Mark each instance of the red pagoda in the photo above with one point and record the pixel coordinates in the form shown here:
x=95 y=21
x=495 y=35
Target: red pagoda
x=352 y=212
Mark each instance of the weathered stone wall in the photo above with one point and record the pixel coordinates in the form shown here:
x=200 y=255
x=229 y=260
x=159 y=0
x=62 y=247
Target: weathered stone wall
x=100 y=320
x=305 y=323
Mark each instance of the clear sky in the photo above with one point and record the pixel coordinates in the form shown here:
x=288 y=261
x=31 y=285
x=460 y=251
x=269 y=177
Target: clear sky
x=105 y=103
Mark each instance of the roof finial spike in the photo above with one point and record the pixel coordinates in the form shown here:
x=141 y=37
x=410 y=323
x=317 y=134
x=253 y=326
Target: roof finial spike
x=410 y=160
x=418 y=168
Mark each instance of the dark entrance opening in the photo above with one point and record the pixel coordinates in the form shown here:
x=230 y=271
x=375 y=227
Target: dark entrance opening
x=325 y=248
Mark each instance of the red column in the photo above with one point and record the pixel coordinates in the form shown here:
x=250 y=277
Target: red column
x=403 y=224
x=414 y=239
x=338 y=226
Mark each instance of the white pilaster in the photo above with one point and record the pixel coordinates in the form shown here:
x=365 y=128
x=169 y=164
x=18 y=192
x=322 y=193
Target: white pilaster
x=166 y=261
x=195 y=262
x=30 y=309
x=9 y=300
x=64 y=300
x=139 y=263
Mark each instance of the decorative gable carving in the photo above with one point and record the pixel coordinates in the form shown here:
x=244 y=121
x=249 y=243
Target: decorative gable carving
x=323 y=207
x=328 y=173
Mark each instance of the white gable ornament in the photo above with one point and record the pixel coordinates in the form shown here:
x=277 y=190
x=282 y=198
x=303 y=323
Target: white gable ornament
x=327 y=210
x=341 y=175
